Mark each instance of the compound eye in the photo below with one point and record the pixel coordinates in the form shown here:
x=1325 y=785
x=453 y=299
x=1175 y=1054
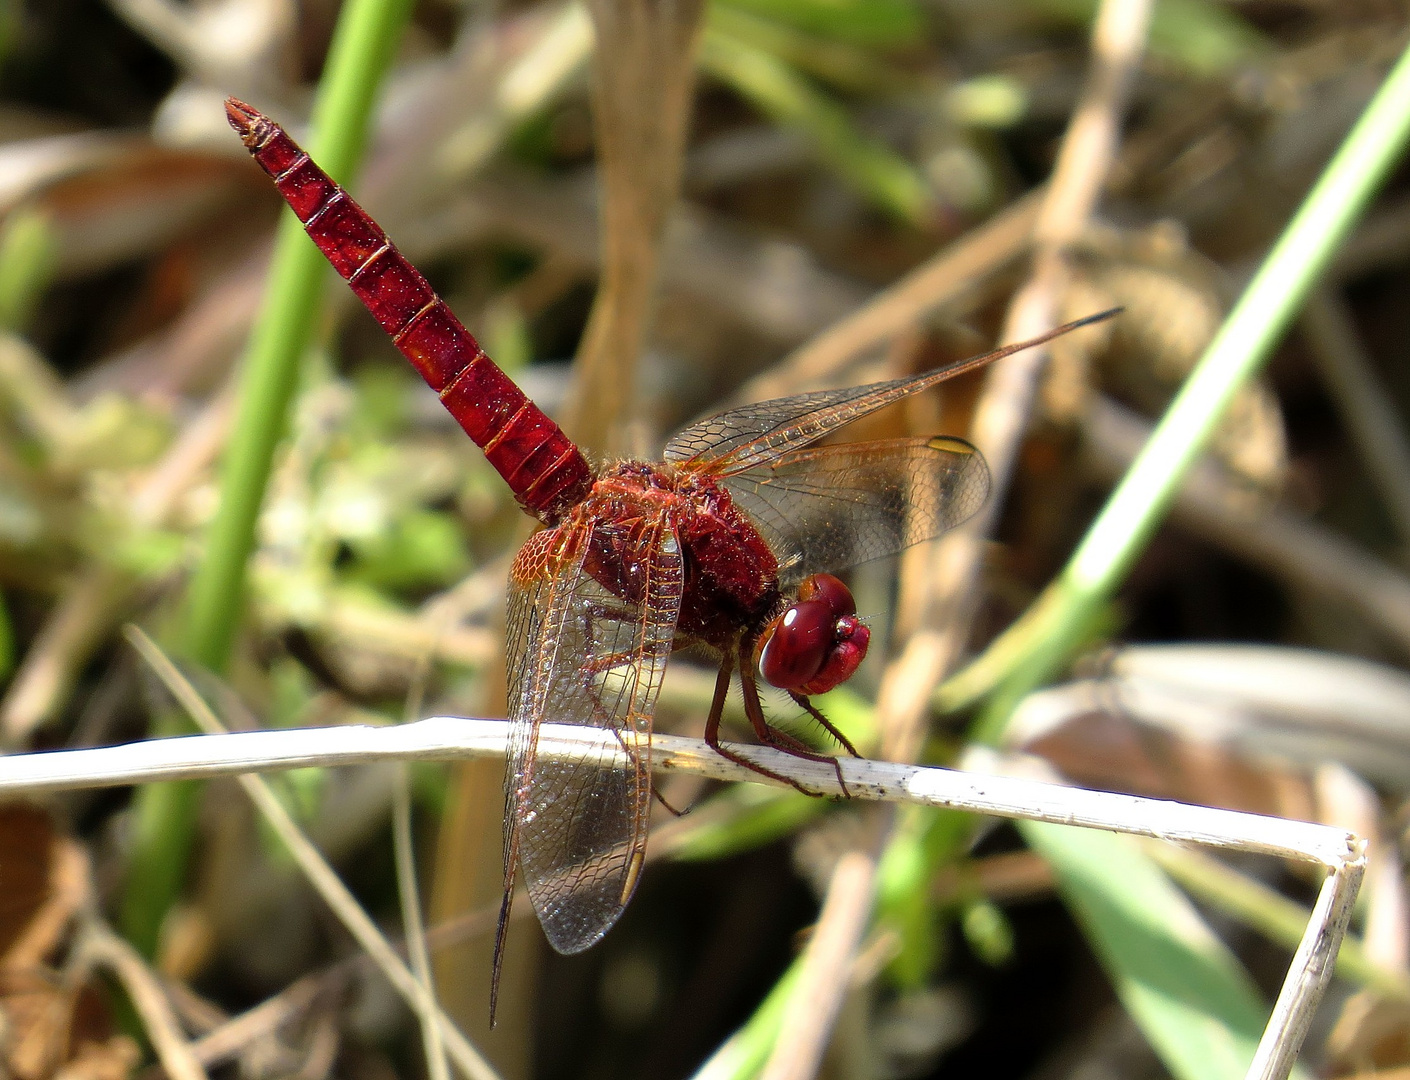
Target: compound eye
x=797 y=644
x=849 y=648
x=831 y=591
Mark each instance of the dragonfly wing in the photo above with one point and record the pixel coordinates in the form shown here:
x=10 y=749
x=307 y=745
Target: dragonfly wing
x=830 y=507
x=752 y=434
x=539 y=582
x=591 y=657
x=773 y=424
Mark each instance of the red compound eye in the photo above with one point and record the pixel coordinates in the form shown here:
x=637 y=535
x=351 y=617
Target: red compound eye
x=831 y=591
x=818 y=642
x=849 y=649
x=796 y=644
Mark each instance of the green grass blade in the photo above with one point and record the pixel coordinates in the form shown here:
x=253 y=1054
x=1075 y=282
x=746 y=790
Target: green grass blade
x=26 y=265
x=1261 y=907
x=1044 y=638
x=844 y=66
x=164 y=827
x=361 y=51
x=1183 y=989
x=1206 y=39
x=1189 y=995
x=745 y=1053
x=874 y=170
x=873 y=23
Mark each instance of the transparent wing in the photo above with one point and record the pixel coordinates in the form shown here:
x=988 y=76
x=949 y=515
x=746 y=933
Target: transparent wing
x=540 y=582
x=723 y=438
x=753 y=434
x=829 y=507
x=585 y=654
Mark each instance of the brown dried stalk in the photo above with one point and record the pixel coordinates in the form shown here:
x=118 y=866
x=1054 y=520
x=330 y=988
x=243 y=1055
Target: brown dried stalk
x=641 y=93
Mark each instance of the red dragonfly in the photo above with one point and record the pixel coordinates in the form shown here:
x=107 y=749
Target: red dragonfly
x=726 y=543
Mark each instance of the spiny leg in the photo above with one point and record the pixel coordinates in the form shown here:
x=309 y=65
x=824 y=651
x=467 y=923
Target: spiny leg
x=828 y=726
x=754 y=709
x=632 y=757
x=712 y=729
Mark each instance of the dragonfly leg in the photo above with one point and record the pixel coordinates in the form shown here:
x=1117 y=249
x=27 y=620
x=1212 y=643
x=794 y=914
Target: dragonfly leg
x=767 y=733
x=828 y=726
x=712 y=731
x=655 y=791
x=656 y=794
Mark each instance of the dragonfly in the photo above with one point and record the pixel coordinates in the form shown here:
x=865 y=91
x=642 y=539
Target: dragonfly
x=730 y=542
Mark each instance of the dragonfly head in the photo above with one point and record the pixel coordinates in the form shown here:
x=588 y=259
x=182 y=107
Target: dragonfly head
x=817 y=642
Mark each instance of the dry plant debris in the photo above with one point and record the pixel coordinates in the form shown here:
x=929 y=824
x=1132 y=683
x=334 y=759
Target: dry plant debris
x=856 y=190
x=56 y=1020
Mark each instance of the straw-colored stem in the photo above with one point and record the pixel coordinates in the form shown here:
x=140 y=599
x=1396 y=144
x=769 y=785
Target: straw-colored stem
x=1038 y=644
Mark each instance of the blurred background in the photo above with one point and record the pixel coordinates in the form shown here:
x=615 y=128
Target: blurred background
x=770 y=167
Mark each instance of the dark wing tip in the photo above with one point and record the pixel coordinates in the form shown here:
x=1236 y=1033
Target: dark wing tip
x=972 y=477
x=953 y=444
x=1100 y=316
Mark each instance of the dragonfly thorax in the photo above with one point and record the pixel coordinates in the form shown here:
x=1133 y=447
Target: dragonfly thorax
x=731 y=575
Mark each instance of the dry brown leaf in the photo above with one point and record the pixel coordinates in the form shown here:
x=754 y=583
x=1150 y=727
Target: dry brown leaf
x=53 y=1023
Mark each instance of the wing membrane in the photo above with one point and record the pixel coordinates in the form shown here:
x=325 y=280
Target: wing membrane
x=830 y=507
x=737 y=437
x=594 y=657
x=752 y=434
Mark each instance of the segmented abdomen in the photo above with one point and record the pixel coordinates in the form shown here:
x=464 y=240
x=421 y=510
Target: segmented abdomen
x=545 y=470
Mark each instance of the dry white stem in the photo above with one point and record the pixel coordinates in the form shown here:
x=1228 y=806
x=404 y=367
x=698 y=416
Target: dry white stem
x=1366 y=409
x=90 y=605
x=949 y=593
x=259 y=1022
x=1345 y=799
x=412 y=923
x=1089 y=147
x=1002 y=414
x=1309 y=973
x=394 y=633
x=947 y=276
x=83 y=617
x=454 y=738
x=1304 y=551
x=1380 y=240
x=445 y=738
x=233 y=39
x=200 y=442
x=644 y=54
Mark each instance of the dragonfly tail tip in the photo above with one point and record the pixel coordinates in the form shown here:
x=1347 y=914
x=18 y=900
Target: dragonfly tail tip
x=245 y=119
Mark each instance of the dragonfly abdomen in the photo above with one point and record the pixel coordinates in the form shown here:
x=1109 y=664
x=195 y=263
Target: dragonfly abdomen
x=545 y=470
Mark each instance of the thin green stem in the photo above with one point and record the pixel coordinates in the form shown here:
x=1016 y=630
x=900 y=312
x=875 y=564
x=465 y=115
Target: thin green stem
x=27 y=250
x=1040 y=642
x=361 y=52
